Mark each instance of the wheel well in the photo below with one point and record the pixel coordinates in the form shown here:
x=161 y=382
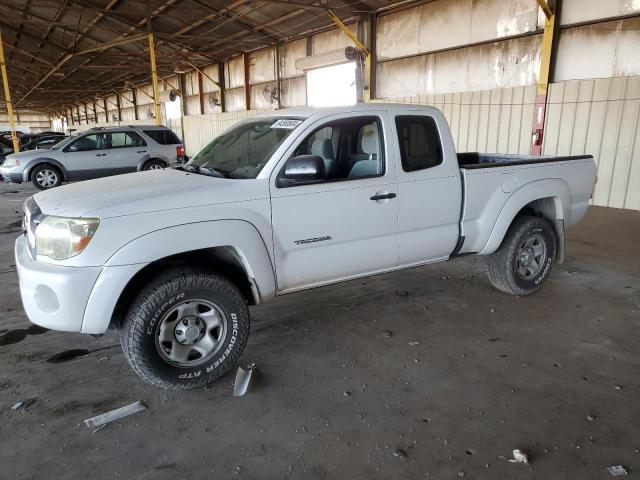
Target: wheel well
x=154 y=160
x=550 y=209
x=222 y=260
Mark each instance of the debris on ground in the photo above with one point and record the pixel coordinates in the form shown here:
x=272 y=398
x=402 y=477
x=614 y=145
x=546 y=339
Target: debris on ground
x=413 y=344
x=617 y=470
x=591 y=417
x=400 y=453
x=243 y=377
x=519 y=457
x=113 y=415
x=386 y=334
x=618 y=387
x=23 y=404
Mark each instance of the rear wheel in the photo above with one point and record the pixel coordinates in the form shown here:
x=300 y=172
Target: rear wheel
x=154 y=165
x=185 y=329
x=46 y=176
x=522 y=263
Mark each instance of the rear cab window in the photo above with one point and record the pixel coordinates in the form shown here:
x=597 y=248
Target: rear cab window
x=419 y=140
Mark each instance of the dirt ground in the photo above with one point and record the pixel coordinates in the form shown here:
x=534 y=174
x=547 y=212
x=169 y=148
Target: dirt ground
x=424 y=373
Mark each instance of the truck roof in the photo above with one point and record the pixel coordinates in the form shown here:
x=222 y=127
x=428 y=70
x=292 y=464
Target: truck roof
x=306 y=112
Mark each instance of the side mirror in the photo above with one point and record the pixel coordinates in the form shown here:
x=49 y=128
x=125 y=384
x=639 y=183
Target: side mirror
x=72 y=148
x=302 y=169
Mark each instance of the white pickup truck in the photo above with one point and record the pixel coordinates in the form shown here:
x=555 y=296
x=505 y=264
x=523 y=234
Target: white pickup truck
x=283 y=202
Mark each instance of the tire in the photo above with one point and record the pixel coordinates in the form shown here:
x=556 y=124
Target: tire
x=154 y=165
x=46 y=176
x=523 y=262
x=152 y=330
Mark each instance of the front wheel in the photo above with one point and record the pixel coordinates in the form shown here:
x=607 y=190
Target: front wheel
x=45 y=177
x=185 y=329
x=522 y=263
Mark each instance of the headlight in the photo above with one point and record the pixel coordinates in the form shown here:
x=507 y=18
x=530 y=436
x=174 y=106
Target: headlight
x=62 y=238
x=11 y=162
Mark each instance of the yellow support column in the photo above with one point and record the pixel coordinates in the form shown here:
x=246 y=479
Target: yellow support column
x=543 y=80
x=7 y=97
x=361 y=47
x=154 y=76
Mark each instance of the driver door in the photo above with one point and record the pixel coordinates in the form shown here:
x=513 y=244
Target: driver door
x=345 y=225
x=87 y=157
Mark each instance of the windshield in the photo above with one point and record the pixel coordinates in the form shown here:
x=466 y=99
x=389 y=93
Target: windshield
x=242 y=151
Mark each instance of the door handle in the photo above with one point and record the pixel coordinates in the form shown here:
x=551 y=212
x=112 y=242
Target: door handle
x=141 y=151
x=383 y=196
x=101 y=154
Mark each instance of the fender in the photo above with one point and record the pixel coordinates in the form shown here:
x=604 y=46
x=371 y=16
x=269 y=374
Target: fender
x=553 y=188
x=139 y=252
x=39 y=161
x=144 y=160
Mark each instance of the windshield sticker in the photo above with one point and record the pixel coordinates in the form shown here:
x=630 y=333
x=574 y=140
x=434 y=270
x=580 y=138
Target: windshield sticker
x=286 y=123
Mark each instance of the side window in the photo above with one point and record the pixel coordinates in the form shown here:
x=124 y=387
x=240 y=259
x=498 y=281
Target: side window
x=125 y=140
x=87 y=143
x=419 y=140
x=163 y=137
x=350 y=148
x=171 y=138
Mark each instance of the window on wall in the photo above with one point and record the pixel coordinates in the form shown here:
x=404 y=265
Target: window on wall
x=332 y=86
x=419 y=140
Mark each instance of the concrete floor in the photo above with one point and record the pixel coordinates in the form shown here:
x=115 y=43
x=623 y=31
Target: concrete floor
x=556 y=374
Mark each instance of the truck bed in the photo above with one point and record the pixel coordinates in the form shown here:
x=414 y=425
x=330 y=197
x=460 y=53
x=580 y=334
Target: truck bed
x=473 y=160
x=490 y=181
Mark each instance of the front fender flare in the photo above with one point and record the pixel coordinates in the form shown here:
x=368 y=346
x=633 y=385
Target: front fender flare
x=554 y=188
x=127 y=261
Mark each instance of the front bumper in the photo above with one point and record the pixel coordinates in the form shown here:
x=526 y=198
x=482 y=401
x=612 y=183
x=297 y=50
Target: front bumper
x=54 y=296
x=10 y=176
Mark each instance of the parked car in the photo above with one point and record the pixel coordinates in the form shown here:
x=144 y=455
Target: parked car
x=42 y=142
x=98 y=152
x=280 y=203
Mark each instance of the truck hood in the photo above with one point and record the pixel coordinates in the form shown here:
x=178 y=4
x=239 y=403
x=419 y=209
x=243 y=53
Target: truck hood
x=141 y=192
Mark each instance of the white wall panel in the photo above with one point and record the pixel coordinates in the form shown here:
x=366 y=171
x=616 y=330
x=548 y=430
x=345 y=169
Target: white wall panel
x=234 y=99
x=332 y=40
x=293 y=92
x=234 y=72
x=575 y=11
x=208 y=85
x=262 y=66
x=608 y=49
x=510 y=63
x=289 y=53
x=444 y=24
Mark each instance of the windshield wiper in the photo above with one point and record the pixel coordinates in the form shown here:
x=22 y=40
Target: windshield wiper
x=212 y=172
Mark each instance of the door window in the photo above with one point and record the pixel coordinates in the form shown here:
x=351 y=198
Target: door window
x=350 y=148
x=125 y=140
x=419 y=140
x=87 y=143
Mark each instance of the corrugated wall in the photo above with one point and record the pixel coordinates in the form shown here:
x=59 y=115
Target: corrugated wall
x=600 y=117
x=201 y=129
x=496 y=120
